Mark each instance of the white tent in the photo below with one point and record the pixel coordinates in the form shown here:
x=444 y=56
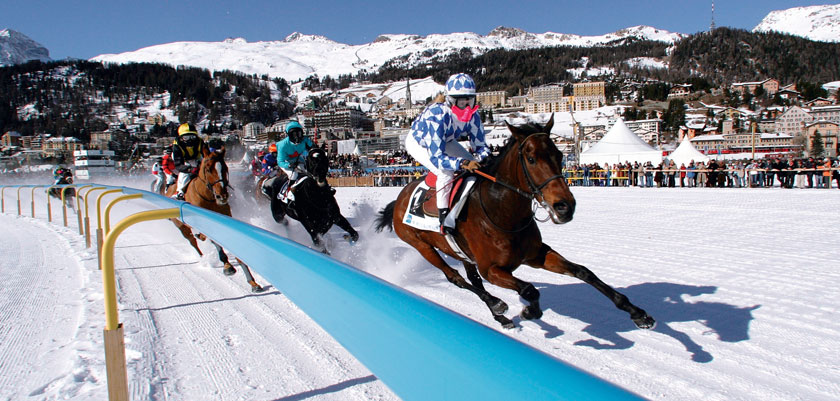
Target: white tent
x=620 y=145
x=685 y=153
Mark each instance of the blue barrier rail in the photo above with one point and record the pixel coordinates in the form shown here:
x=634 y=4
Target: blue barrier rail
x=420 y=350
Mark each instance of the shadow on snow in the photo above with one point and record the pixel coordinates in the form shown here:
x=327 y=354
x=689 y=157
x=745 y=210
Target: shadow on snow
x=664 y=301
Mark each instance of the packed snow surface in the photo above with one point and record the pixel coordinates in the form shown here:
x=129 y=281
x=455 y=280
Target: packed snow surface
x=743 y=284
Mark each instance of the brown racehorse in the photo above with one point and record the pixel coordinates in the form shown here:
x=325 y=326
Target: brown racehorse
x=209 y=190
x=499 y=233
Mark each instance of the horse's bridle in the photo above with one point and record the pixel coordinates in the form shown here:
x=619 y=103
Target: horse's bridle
x=536 y=190
x=210 y=185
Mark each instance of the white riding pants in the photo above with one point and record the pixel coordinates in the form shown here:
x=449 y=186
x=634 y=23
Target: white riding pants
x=444 y=177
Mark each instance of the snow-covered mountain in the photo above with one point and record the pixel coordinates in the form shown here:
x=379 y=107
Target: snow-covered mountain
x=299 y=56
x=16 y=48
x=820 y=23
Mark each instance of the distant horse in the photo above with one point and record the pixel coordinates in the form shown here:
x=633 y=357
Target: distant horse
x=209 y=190
x=65 y=179
x=314 y=203
x=499 y=233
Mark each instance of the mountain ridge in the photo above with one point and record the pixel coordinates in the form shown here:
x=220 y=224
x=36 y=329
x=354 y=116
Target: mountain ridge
x=16 y=48
x=818 y=23
x=300 y=55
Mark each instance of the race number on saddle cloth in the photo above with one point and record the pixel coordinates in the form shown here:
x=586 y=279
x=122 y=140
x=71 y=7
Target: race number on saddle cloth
x=422 y=211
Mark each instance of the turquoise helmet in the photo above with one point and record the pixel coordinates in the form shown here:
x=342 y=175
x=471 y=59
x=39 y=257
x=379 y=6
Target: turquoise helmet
x=294 y=131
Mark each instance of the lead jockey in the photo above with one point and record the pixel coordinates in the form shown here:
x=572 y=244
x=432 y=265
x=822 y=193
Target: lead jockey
x=433 y=140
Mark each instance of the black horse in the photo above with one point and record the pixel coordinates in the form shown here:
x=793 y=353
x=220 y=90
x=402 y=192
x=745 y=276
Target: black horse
x=314 y=203
x=65 y=179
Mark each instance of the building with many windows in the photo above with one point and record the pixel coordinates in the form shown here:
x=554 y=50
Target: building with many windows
x=492 y=98
x=793 y=121
x=589 y=95
x=826 y=113
x=770 y=86
x=547 y=99
x=829 y=132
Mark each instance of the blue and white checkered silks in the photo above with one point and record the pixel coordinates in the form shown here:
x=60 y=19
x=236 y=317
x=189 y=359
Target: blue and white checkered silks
x=460 y=85
x=437 y=126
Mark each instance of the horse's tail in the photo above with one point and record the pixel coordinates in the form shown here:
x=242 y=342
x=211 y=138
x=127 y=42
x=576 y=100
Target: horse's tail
x=386 y=217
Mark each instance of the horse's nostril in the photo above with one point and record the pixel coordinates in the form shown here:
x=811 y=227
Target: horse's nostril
x=563 y=208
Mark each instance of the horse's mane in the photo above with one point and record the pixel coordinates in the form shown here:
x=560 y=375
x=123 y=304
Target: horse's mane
x=493 y=162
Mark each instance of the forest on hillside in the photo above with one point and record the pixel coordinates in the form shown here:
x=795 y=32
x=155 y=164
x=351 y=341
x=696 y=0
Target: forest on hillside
x=72 y=98
x=721 y=57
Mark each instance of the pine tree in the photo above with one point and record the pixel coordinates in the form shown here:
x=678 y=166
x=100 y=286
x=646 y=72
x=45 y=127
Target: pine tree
x=817 y=145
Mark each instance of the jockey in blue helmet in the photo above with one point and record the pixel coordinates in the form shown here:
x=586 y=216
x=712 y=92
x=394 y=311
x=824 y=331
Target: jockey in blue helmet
x=292 y=150
x=434 y=135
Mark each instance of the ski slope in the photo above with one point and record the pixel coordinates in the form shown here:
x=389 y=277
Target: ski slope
x=742 y=283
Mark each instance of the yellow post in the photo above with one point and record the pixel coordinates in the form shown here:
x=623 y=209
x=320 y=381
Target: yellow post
x=99 y=235
x=111 y=204
x=33 y=198
x=64 y=203
x=19 y=188
x=79 y=207
x=87 y=215
x=49 y=202
x=114 y=338
x=3 y=199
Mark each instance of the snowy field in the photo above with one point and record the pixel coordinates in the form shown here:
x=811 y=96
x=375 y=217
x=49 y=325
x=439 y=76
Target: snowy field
x=743 y=284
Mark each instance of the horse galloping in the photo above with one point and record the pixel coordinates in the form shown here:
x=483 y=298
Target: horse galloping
x=499 y=232
x=314 y=204
x=69 y=193
x=209 y=190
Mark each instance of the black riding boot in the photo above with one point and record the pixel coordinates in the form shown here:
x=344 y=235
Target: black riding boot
x=442 y=213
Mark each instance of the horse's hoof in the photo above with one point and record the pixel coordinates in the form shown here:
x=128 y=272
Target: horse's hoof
x=229 y=270
x=257 y=289
x=645 y=322
x=505 y=322
x=530 y=313
x=498 y=307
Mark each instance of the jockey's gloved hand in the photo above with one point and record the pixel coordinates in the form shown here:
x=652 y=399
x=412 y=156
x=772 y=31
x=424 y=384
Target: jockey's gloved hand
x=470 y=165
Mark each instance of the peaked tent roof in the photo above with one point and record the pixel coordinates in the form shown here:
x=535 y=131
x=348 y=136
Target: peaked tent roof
x=686 y=152
x=620 y=145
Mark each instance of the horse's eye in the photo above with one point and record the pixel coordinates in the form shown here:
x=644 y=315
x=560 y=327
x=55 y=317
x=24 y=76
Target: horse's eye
x=531 y=160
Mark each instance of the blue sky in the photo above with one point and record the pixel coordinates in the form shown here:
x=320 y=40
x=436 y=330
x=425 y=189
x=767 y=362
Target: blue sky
x=84 y=29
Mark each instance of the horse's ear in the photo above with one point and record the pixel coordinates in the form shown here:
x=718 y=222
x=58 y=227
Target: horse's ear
x=549 y=124
x=517 y=133
x=205 y=151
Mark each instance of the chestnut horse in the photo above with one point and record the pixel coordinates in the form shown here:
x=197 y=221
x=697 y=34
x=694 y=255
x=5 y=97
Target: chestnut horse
x=209 y=190
x=499 y=233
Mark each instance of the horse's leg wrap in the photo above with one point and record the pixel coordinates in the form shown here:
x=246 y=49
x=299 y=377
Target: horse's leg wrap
x=532 y=295
x=496 y=305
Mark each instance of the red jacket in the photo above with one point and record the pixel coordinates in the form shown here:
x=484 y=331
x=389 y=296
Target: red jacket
x=167 y=165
